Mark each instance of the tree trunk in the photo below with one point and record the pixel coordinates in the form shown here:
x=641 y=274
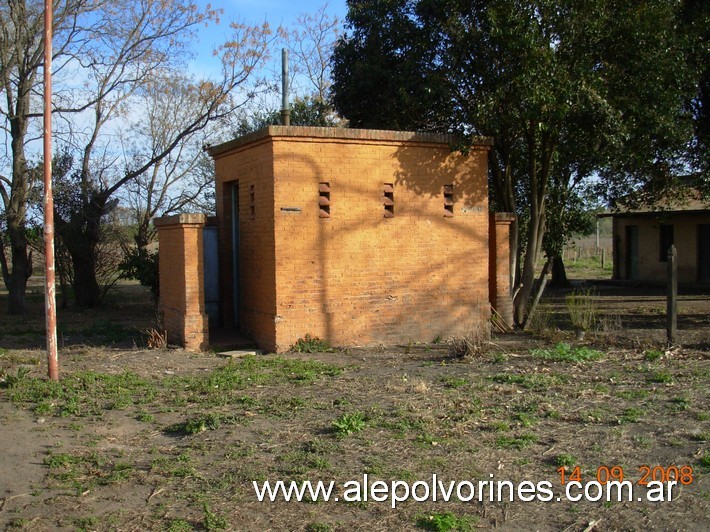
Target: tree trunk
x=16 y=282
x=15 y=207
x=536 y=229
x=514 y=255
x=520 y=304
x=87 y=292
x=559 y=274
x=81 y=236
x=540 y=290
x=16 y=287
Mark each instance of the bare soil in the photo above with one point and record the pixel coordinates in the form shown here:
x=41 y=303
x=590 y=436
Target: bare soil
x=138 y=439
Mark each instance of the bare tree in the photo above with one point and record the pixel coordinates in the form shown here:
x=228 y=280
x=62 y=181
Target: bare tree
x=311 y=42
x=108 y=50
x=21 y=63
x=181 y=179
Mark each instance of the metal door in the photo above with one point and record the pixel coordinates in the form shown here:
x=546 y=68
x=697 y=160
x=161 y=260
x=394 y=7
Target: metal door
x=210 y=251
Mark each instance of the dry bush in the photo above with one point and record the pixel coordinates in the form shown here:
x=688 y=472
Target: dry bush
x=156 y=339
x=542 y=323
x=474 y=343
x=609 y=323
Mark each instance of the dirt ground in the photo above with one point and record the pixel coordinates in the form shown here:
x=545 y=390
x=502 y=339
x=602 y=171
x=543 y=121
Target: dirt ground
x=138 y=439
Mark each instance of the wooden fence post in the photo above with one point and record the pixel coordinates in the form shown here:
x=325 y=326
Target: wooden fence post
x=672 y=299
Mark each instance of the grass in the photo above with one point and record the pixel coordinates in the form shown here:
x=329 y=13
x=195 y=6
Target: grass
x=179 y=452
x=85 y=393
x=531 y=381
x=445 y=522
x=632 y=415
x=82 y=472
x=564 y=352
x=653 y=355
x=516 y=442
x=660 y=377
x=565 y=460
x=582 y=309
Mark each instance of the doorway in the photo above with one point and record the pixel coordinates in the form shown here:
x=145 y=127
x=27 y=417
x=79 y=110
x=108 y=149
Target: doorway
x=704 y=253
x=632 y=252
x=235 y=252
x=210 y=253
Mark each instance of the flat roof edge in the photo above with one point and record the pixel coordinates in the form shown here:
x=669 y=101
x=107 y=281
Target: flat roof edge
x=338 y=133
x=657 y=213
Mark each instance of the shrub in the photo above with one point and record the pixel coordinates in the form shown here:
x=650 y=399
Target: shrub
x=349 y=423
x=141 y=265
x=582 y=309
x=310 y=344
x=563 y=352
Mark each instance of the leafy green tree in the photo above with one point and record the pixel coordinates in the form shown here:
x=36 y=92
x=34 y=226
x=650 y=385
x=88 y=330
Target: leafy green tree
x=695 y=22
x=305 y=111
x=567 y=89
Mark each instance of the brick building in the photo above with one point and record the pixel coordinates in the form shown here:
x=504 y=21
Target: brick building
x=642 y=237
x=356 y=236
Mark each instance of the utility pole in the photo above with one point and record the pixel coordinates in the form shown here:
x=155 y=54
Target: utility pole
x=285 y=111
x=50 y=299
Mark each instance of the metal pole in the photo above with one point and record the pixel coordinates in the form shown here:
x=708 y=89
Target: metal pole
x=672 y=300
x=285 y=111
x=50 y=300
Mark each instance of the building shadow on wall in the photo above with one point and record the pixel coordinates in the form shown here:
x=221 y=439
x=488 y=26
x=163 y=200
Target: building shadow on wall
x=425 y=177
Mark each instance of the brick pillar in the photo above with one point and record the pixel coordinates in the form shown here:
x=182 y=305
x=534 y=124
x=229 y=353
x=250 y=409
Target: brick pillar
x=499 y=264
x=182 y=292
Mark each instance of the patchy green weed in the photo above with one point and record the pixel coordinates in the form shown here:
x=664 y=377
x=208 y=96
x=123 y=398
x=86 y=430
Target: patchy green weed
x=530 y=381
x=454 y=382
x=652 y=355
x=196 y=425
x=213 y=521
x=632 y=415
x=445 y=522
x=349 y=423
x=660 y=377
x=565 y=460
x=515 y=442
x=564 y=352
x=310 y=344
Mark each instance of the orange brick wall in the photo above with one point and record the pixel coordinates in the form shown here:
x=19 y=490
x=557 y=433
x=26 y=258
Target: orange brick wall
x=181 y=268
x=357 y=277
x=499 y=257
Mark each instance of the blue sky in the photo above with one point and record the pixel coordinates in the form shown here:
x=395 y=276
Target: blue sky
x=276 y=12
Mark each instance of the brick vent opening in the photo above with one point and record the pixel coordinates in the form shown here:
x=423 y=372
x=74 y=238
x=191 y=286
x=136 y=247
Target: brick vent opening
x=388 y=199
x=448 y=201
x=324 y=199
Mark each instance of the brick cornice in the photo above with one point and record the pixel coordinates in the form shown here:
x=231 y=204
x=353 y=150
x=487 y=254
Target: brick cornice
x=343 y=134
